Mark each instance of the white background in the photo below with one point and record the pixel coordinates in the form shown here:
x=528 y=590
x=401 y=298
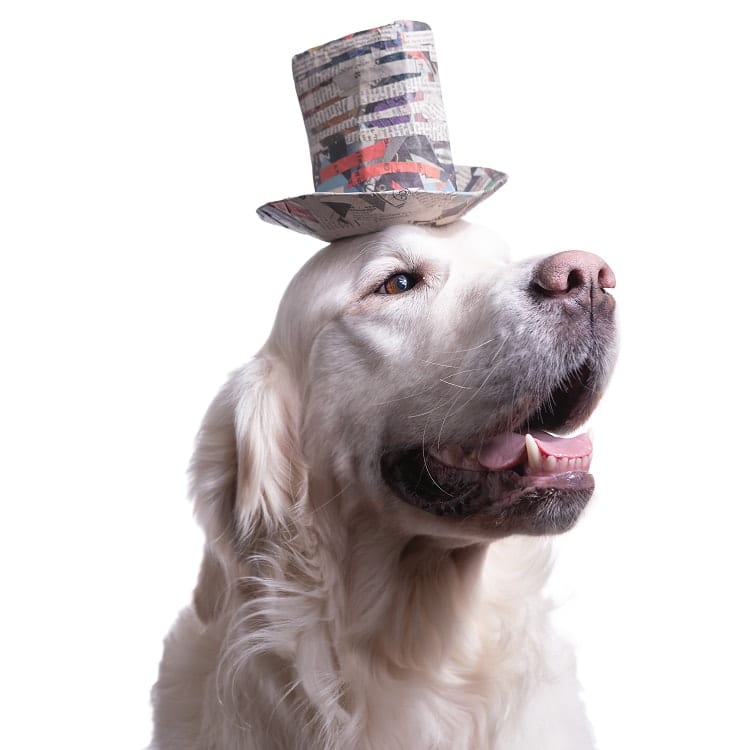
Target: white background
x=136 y=141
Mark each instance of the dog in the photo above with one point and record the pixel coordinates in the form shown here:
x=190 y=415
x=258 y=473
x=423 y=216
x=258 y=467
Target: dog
x=378 y=488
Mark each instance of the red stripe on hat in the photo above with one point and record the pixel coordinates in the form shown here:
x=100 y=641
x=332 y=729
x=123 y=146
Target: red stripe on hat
x=394 y=167
x=350 y=161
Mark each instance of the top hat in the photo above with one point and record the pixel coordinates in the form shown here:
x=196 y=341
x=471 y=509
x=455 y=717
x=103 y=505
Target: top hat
x=378 y=138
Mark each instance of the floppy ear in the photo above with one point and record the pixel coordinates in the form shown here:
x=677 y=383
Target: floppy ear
x=245 y=473
x=211 y=591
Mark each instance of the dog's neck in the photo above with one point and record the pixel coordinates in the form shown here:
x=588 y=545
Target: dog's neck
x=423 y=623
x=364 y=622
x=424 y=603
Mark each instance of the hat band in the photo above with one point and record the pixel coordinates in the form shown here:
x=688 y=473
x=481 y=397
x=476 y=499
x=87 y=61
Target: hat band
x=415 y=167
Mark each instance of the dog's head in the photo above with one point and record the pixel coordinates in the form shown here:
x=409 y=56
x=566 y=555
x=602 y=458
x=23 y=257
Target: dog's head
x=422 y=373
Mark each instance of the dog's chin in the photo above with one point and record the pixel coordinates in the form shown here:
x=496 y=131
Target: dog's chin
x=477 y=501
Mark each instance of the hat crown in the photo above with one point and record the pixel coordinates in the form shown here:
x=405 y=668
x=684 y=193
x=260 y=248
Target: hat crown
x=378 y=138
x=374 y=113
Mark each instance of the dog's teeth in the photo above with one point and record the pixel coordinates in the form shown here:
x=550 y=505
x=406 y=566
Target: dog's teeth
x=533 y=455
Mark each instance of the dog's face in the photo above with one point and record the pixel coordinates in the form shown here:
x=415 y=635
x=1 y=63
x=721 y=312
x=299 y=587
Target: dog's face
x=431 y=372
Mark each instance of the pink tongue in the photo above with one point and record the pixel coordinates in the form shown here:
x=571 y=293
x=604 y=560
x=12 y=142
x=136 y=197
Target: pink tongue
x=559 y=447
x=509 y=449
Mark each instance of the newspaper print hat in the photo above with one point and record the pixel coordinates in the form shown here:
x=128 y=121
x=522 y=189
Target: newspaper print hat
x=378 y=138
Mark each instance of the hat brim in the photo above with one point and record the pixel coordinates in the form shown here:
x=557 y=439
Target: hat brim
x=333 y=216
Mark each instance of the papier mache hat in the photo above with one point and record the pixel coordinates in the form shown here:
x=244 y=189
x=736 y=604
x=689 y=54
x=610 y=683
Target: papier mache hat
x=378 y=138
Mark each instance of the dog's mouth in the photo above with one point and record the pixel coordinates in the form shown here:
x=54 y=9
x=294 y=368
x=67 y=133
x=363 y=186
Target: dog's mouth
x=532 y=479
x=536 y=455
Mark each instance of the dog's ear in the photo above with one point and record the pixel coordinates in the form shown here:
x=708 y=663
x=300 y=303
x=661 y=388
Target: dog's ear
x=246 y=473
x=212 y=589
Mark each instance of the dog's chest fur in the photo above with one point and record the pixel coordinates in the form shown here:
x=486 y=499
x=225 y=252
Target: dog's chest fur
x=432 y=665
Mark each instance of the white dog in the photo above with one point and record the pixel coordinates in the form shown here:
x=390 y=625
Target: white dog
x=376 y=488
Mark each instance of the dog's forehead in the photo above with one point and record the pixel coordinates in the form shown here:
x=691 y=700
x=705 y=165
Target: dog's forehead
x=461 y=244
x=455 y=245
x=451 y=244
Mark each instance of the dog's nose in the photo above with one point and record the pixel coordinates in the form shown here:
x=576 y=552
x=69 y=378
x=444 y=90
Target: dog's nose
x=570 y=273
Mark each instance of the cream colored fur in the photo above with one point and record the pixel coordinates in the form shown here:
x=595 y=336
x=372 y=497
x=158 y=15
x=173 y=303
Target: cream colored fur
x=328 y=614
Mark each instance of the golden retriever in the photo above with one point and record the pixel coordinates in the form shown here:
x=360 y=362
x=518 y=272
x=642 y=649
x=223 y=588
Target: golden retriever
x=377 y=487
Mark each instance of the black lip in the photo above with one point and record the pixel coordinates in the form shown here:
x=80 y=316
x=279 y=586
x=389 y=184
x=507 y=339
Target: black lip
x=502 y=500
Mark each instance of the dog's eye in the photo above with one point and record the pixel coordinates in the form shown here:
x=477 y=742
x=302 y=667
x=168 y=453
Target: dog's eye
x=398 y=284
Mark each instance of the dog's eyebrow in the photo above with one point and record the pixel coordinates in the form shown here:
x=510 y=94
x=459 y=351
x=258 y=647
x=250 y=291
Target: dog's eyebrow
x=385 y=257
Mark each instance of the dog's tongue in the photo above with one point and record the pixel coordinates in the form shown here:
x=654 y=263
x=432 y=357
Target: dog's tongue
x=509 y=448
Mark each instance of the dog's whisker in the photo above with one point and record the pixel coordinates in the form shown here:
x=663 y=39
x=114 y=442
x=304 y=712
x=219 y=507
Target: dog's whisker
x=472 y=348
x=465 y=371
x=405 y=398
x=445 y=419
x=426 y=466
x=439 y=364
x=430 y=411
x=477 y=391
x=456 y=385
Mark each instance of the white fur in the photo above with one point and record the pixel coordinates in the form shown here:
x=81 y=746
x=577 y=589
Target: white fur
x=328 y=614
